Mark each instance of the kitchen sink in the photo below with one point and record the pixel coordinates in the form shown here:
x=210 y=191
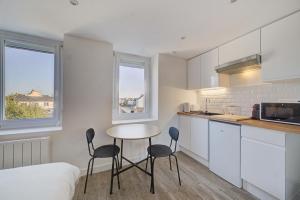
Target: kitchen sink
x=205 y=113
x=210 y=113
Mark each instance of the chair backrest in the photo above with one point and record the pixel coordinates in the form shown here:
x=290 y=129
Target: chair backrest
x=90 y=134
x=174 y=134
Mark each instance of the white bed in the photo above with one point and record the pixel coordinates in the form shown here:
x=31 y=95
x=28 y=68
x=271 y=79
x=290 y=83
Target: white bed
x=53 y=181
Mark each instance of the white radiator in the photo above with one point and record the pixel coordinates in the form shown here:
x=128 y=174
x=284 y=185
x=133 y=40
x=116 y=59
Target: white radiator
x=18 y=153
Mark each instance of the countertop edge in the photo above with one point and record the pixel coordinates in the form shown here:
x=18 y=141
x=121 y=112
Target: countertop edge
x=193 y=115
x=286 y=128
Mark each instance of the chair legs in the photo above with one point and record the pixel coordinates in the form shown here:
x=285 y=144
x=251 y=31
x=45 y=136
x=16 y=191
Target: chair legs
x=112 y=175
x=92 y=167
x=170 y=163
x=152 y=170
x=117 y=168
x=118 y=161
x=114 y=162
x=147 y=162
x=152 y=175
x=177 y=169
x=87 y=175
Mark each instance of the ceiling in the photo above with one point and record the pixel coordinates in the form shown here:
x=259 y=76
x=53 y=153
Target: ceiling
x=144 y=27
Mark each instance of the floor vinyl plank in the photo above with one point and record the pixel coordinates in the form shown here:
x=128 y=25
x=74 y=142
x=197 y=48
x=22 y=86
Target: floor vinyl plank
x=198 y=183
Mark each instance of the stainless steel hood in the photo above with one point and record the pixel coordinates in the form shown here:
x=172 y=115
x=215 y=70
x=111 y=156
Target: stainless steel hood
x=238 y=66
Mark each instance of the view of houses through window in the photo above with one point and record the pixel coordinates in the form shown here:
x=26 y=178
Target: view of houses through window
x=131 y=89
x=29 y=84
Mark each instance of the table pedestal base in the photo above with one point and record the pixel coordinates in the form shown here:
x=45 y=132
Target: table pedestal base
x=132 y=164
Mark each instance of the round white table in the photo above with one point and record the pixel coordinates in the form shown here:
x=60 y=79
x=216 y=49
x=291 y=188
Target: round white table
x=133 y=132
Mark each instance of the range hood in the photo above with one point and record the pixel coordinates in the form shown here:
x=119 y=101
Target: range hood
x=240 y=65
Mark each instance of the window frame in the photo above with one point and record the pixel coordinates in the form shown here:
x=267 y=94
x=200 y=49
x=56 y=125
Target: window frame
x=131 y=61
x=17 y=40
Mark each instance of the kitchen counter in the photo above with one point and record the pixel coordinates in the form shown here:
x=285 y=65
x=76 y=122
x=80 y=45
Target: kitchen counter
x=194 y=114
x=288 y=128
x=210 y=117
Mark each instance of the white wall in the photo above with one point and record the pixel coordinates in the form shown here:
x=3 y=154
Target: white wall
x=87 y=93
x=87 y=98
x=88 y=83
x=172 y=92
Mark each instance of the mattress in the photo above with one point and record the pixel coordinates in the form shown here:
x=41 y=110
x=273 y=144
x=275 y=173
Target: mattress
x=53 y=181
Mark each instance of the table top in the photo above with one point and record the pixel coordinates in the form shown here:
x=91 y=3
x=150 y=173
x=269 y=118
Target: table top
x=133 y=131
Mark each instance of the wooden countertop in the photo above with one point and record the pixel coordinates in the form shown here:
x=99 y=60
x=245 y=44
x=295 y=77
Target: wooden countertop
x=288 y=128
x=194 y=114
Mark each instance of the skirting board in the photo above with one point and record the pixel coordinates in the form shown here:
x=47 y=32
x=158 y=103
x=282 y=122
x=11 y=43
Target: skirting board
x=107 y=166
x=194 y=156
x=257 y=192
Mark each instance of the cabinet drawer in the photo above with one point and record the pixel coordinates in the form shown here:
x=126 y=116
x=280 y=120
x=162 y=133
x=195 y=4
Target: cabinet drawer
x=263 y=165
x=264 y=135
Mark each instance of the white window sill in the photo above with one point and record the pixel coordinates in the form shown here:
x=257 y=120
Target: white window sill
x=29 y=130
x=131 y=121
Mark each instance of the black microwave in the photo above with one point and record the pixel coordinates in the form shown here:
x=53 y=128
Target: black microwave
x=288 y=113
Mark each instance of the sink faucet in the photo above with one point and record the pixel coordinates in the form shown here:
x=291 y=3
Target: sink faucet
x=206 y=100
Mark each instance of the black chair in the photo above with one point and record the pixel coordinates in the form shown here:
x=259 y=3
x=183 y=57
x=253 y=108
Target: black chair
x=158 y=150
x=105 y=151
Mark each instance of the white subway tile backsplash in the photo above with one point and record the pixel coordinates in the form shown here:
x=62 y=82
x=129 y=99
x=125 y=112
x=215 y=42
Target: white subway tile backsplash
x=247 y=96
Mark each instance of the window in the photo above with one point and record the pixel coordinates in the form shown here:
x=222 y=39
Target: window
x=31 y=81
x=131 y=87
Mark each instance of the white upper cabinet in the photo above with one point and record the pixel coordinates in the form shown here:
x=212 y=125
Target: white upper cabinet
x=209 y=76
x=202 y=71
x=239 y=48
x=194 y=71
x=280 y=49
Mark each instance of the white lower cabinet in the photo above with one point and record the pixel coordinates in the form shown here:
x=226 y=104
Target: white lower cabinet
x=199 y=137
x=264 y=166
x=225 y=151
x=194 y=137
x=185 y=132
x=270 y=161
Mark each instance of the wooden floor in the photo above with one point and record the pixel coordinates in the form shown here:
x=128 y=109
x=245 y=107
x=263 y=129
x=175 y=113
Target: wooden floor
x=198 y=183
